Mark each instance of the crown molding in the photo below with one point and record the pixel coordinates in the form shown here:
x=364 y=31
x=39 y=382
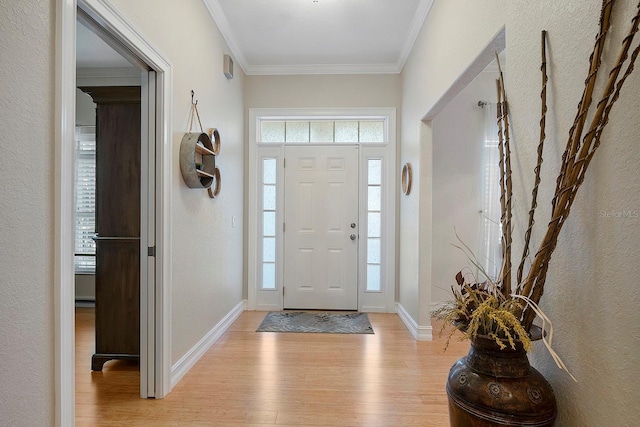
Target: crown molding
x=219 y=17
x=416 y=25
x=322 y=69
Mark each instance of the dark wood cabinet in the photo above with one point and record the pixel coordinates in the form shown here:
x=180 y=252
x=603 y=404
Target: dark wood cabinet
x=117 y=223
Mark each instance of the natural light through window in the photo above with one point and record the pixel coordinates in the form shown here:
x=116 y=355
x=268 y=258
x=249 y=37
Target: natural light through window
x=269 y=223
x=284 y=143
x=490 y=252
x=374 y=235
x=322 y=131
x=85 y=199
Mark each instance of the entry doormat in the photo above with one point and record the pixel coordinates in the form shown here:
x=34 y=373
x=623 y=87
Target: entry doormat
x=318 y=322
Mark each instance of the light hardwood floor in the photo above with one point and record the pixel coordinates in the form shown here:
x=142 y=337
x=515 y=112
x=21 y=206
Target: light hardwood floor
x=253 y=378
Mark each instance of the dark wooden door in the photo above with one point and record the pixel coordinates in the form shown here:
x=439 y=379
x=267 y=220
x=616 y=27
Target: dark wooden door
x=117 y=223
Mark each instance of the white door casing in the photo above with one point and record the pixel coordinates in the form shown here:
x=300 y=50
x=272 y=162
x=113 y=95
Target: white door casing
x=321 y=227
x=265 y=294
x=113 y=22
x=148 y=235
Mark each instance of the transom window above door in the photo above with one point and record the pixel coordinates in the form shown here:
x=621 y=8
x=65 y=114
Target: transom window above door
x=342 y=131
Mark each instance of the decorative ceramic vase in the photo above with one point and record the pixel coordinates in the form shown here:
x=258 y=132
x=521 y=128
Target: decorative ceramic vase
x=493 y=387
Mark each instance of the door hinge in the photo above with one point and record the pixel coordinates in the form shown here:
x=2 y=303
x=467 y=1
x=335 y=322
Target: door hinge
x=283 y=227
x=151 y=251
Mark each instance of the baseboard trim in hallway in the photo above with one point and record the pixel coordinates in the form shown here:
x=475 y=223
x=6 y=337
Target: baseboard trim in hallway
x=420 y=333
x=182 y=366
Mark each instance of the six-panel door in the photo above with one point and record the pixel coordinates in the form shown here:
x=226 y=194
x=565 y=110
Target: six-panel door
x=321 y=228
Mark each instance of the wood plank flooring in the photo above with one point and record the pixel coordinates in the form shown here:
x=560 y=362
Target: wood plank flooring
x=253 y=378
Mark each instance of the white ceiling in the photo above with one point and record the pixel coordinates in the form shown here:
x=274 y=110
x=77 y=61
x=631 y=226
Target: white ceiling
x=319 y=36
x=93 y=52
x=299 y=36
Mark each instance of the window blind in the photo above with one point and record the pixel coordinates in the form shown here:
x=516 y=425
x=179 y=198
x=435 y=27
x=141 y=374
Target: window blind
x=85 y=199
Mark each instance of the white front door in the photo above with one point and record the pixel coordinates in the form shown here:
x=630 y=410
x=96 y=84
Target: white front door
x=321 y=228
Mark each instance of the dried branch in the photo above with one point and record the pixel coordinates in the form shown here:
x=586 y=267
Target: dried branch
x=578 y=157
x=583 y=141
x=534 y=193
x=508 y=190
x=609 y=100
x=503 y=189
x=568 y=157
x=595 y=60
x=615 y=97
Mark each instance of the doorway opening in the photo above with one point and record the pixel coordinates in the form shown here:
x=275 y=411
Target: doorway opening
x=107 y=192
x=154 y=82
x=322 y=209
x=454 y=156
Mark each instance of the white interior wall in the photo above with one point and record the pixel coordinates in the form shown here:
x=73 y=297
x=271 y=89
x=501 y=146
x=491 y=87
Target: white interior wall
x=458 y=149
x=323 y=91
x=207 y=251
x=453 y=36
x=591 y=290
x=591 y=293
x=85 y=109
x=85 y=287
x=27 y=212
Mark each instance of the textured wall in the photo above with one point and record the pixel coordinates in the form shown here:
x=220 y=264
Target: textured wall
x=26 y=219
x=591 y=292
x=207 y=256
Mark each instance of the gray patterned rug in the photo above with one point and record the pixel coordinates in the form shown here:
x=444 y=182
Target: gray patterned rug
x=319 y=322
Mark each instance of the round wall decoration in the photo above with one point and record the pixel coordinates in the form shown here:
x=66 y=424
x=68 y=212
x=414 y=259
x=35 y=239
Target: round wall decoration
x=197 y=160
x=406 y=178
x=217 y=186
x=198 y=153
x=215 y=138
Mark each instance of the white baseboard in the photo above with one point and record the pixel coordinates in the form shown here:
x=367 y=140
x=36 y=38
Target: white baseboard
x=419 y=333
x=182 y=366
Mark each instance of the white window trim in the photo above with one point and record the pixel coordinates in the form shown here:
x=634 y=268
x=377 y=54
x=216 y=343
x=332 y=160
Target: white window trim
x=378 y=301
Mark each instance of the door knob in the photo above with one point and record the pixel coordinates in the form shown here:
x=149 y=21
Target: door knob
x=352 y=237
x=353 y=225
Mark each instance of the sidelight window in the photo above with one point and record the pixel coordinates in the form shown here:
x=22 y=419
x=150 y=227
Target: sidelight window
x=269 y=223
x=374 y=217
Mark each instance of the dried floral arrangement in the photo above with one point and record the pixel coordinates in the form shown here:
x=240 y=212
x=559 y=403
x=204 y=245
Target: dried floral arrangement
x=498 y=308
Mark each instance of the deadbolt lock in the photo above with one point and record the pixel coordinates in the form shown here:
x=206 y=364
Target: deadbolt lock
x=353 y=225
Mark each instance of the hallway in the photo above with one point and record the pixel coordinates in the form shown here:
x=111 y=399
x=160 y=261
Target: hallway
x=256 y=379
